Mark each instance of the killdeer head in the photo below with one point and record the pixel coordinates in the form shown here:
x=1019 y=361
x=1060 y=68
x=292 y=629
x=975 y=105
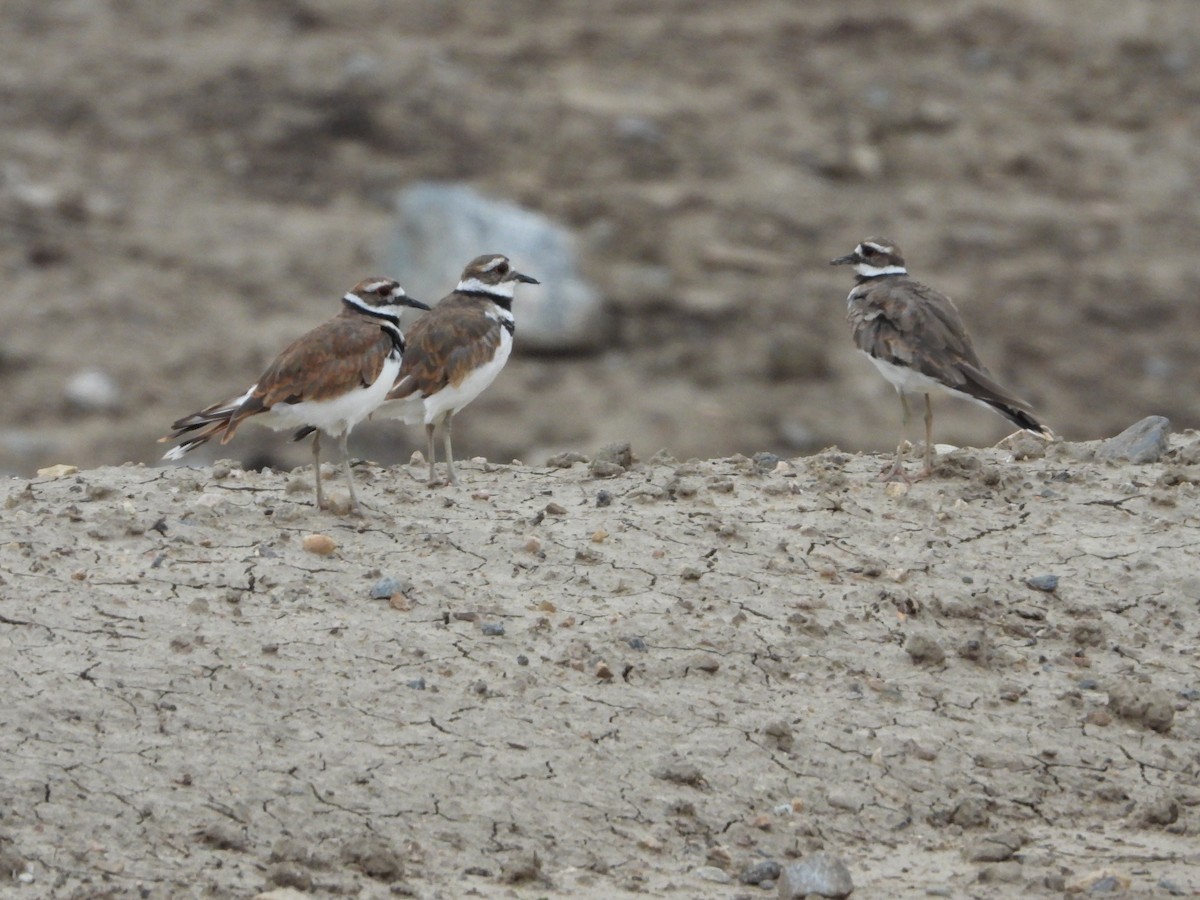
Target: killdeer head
x=874 y=257
x=374 y=296
x=493 y=276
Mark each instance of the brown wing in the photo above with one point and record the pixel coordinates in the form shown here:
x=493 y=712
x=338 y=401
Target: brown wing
x=344 y=353
x=444 y=346
x=910 y=324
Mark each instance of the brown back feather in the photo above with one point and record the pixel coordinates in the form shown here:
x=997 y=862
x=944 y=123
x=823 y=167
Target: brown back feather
x=342 y=354
x=445 y=345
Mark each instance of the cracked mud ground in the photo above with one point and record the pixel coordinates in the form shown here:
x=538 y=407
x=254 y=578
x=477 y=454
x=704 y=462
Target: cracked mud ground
x=565 y=692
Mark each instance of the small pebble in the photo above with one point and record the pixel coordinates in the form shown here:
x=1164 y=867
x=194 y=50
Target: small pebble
x=522 y=660
x=766 y=462
x=493 y=629
x=555 y=509
x=60 y=471
x=603 y=498
x=600 y=468
x=320 y=544
x=400 y=602
x=636 y=643
x=759 y=872
x=713 y=874
x=1046 y=583
x=924 y=650
x=417 y=684
x=385 y=587
x=819 y=874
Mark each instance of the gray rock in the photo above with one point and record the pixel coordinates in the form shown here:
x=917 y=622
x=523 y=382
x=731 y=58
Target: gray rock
x=818 y=875
x=441 y=227
x=924 y=650
x=757 y=873
x=1142 y=442
x=712 y=873
x=1161 y=811
x=971 y=812
x=1149 y=705
x=566 y=459
x=1046 y=583
x=374 y=856
x=619 y=453
x=387 y=587
x=995 y=847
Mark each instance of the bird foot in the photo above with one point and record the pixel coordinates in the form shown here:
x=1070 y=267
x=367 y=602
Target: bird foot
x=895 y=472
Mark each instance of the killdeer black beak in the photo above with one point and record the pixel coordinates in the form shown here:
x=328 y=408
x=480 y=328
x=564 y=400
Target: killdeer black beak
x=527 y=279
x=848 y=260
x=415 y=304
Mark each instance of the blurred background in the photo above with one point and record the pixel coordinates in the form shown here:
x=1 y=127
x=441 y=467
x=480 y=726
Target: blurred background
x=186 y=187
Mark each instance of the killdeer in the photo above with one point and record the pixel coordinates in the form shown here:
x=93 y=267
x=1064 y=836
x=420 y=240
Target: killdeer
x=916 y=339
x=328 y=381
x=457 y=350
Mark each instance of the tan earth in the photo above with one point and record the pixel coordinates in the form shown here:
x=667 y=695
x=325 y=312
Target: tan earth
x=729 y=663
x=185 y=187
x=544 y=683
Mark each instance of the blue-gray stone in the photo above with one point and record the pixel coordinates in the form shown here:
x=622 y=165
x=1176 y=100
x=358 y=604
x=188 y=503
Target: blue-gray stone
x=417 y=684
x=1142 y=442
x=386 y=587
x=1043 y=582
x=493 y=629
x=817 y=875
x=439 y=228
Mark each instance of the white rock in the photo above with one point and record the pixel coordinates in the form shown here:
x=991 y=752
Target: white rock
x=441 y=227
x=92 y=390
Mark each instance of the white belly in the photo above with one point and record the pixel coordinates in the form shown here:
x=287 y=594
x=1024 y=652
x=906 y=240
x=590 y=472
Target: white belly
x=907 y=380
x=337 y=414
x=451 y=399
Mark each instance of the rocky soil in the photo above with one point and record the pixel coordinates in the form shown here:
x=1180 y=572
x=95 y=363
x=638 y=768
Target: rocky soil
x=605 y=678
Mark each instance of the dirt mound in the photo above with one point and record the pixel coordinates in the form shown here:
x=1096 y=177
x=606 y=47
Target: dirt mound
x=654 y=683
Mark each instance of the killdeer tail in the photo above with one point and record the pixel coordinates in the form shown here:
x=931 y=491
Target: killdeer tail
x=214 y=421
x=1021 y=419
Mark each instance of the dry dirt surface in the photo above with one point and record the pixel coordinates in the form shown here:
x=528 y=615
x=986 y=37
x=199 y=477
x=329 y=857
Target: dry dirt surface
x=604 y=679
x=186 y=187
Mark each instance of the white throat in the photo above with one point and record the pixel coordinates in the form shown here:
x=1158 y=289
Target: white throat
x=475 y=286
x=867 y=271
x=389 y=312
